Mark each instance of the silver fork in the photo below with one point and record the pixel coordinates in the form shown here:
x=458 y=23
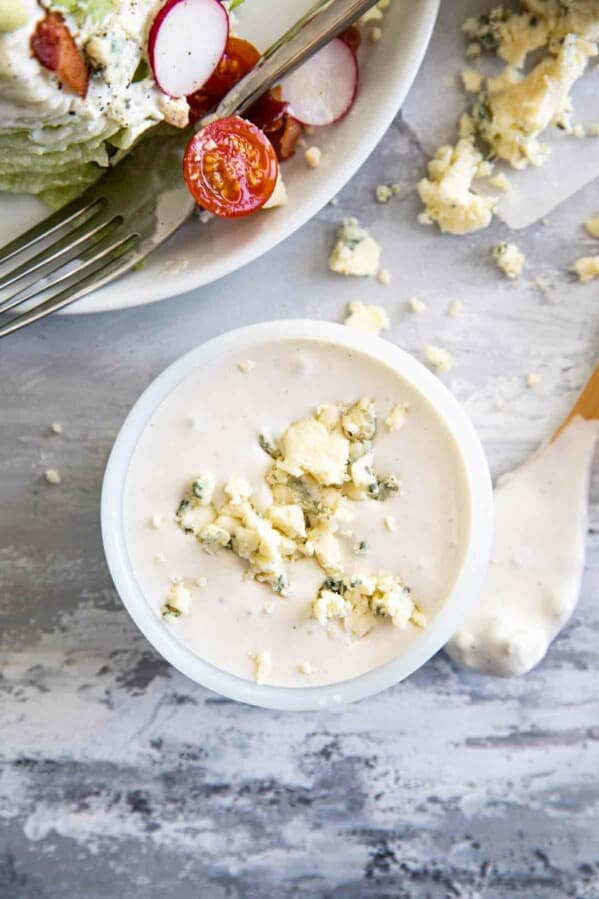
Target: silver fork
x=136 y=206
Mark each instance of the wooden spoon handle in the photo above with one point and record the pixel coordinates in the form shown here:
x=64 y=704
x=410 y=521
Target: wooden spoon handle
x=587 y=404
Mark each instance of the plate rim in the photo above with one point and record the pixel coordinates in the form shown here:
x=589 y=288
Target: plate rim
x=186 y=280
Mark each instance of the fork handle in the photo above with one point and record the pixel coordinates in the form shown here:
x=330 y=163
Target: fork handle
x=324 y=21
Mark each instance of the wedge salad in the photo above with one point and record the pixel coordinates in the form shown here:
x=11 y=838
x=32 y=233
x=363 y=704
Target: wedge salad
x=81 y=81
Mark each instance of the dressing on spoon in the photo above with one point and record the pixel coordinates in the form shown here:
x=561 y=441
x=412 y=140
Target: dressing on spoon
x=538 y=553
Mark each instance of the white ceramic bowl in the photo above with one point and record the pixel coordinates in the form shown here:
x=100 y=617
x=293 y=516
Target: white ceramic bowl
x=447 y=619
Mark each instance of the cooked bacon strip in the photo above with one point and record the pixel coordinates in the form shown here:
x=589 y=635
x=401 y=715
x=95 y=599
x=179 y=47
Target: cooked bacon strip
x=270 y=114
x=53 y=46
x=285 y=138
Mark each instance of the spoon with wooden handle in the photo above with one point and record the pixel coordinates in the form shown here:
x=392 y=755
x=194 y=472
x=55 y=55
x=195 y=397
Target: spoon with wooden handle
x=587 y=404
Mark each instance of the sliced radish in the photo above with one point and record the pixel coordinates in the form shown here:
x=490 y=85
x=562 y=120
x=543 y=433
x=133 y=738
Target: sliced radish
x=322 y=90
x=186 y=42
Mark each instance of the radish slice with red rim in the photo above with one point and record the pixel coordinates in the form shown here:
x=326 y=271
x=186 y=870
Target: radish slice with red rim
x=186 y=42
x=323 y=90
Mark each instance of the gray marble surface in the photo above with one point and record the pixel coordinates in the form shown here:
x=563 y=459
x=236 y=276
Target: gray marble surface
x=120 y=778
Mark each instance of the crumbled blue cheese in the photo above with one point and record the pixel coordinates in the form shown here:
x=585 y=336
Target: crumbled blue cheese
x=212 y=537
x=509 y=259
x=511 y=120
x=384 y=277
x=447 y=192
x=203 y=488
x=384 y=192
x=440 y=358
x=586 y=268
x=306 y=668
x=156 y=521
x=238 y=490
x=359 y=422
x=246 y=366
x=390 y=523
x=357 y=599
x=52 y=476
x=313 y=156
x=192 y=517
x=472 y=80
x=56 y=428
x=262 y=665
x=368 y=319
x=592 y=226
x=355 y=252
x=416 y=305
x=533 y=380
x=308 y=447
x=501 y=182
x=512 y=35
x=322 y=463
x=329 y=606
x=178 y=600
x=289 y=519
x=397 y=416
x=363 y=476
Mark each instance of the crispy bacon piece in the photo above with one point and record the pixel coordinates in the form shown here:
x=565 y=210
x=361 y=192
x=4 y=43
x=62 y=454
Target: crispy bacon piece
x=285 y=138
x=53 y=46
x=270 y=114
x=352 y=37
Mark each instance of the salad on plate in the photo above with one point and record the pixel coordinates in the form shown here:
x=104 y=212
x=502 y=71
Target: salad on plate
x=81 y=81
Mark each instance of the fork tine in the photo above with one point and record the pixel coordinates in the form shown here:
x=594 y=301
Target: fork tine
x=62 y=251
x=80 y=287
x=69 y=215
x=87 y=259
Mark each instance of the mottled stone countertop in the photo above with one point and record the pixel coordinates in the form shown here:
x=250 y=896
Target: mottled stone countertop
x=121 y=778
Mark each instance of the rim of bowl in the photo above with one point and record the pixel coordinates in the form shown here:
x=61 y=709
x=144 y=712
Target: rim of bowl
x=457 y=602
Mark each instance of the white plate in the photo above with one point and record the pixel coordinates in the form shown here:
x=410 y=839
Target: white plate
x=201 y=253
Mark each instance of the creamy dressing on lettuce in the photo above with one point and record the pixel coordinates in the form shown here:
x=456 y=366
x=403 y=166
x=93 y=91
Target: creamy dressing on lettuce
x=53 y=142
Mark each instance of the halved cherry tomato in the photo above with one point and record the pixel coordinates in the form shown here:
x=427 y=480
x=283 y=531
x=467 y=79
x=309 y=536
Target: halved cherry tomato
x=53 y=46
x=238 y=59
x=230 y=167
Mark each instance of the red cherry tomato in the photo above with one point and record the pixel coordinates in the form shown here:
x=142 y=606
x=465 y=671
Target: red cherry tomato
x=230 y=167
x=238 y=59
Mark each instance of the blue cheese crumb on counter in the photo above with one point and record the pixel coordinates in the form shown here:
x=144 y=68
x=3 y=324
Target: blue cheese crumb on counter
x=509 y=259
x=355 y=252
x=52 y=476
x=439 y=358
x=368 y=319
x=416 y=305
x=592 y=226
x=56 y=428
x=447 y=191
x=586 y=268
